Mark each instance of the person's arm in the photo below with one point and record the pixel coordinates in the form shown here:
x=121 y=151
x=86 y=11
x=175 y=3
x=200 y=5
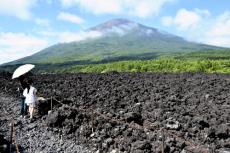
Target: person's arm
x=25 y=92
x=35 y=94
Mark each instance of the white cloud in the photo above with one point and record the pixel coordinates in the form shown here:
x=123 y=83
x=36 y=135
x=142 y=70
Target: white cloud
x=222 y=26
x=68 y=36
x=77 y=36
x=68 y=3
x=145 y=8
x=200 y=26
x=18 y=45
x=70 y=17
x=140 y=8
x=219 y=32
x=17 y=8
x=218 y=41
x=95 y=6
x=167 y=20
x=42 y=22
x=101 y=6
x=185 y=19
x=203 y=12
x=49 y=1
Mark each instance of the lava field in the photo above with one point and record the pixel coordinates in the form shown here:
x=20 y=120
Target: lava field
x=125 y=112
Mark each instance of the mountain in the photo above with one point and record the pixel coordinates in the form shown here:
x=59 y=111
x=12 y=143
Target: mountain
x=117 y=39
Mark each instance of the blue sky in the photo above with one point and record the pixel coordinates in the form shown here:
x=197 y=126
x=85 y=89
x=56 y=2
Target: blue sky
x=28 y=26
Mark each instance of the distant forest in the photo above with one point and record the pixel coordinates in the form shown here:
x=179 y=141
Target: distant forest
x=205 y=61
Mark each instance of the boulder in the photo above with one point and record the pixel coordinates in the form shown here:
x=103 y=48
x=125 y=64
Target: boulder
x=54 y=119
x=132 y=116
x=172 y=124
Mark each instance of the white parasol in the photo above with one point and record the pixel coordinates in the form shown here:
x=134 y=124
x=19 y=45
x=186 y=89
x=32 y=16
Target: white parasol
x=22 y=70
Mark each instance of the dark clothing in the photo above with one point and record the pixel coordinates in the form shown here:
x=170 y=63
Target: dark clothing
x=24 y=107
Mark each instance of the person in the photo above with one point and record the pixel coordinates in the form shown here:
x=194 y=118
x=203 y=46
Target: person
x=24 y=107
x=30 y=97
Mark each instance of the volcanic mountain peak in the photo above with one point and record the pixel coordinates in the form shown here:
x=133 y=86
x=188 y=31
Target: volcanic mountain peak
x=122 y=27
x=117 y=22
x=115 y=39
x=113 y=23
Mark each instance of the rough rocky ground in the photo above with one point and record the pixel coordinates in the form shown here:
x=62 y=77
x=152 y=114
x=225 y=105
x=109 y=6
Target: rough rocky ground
x=123 y=112
x=33 y=137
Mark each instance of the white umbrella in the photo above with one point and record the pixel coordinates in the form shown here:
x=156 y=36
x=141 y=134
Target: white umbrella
x=22 y=70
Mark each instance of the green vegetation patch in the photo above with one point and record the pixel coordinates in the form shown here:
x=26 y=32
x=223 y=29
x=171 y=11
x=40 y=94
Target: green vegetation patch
x=158 y=65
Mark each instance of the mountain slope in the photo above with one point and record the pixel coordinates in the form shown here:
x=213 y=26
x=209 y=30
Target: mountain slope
x=117 y=39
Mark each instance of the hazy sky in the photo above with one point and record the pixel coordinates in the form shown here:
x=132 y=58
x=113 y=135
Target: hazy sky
x=27 y=26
